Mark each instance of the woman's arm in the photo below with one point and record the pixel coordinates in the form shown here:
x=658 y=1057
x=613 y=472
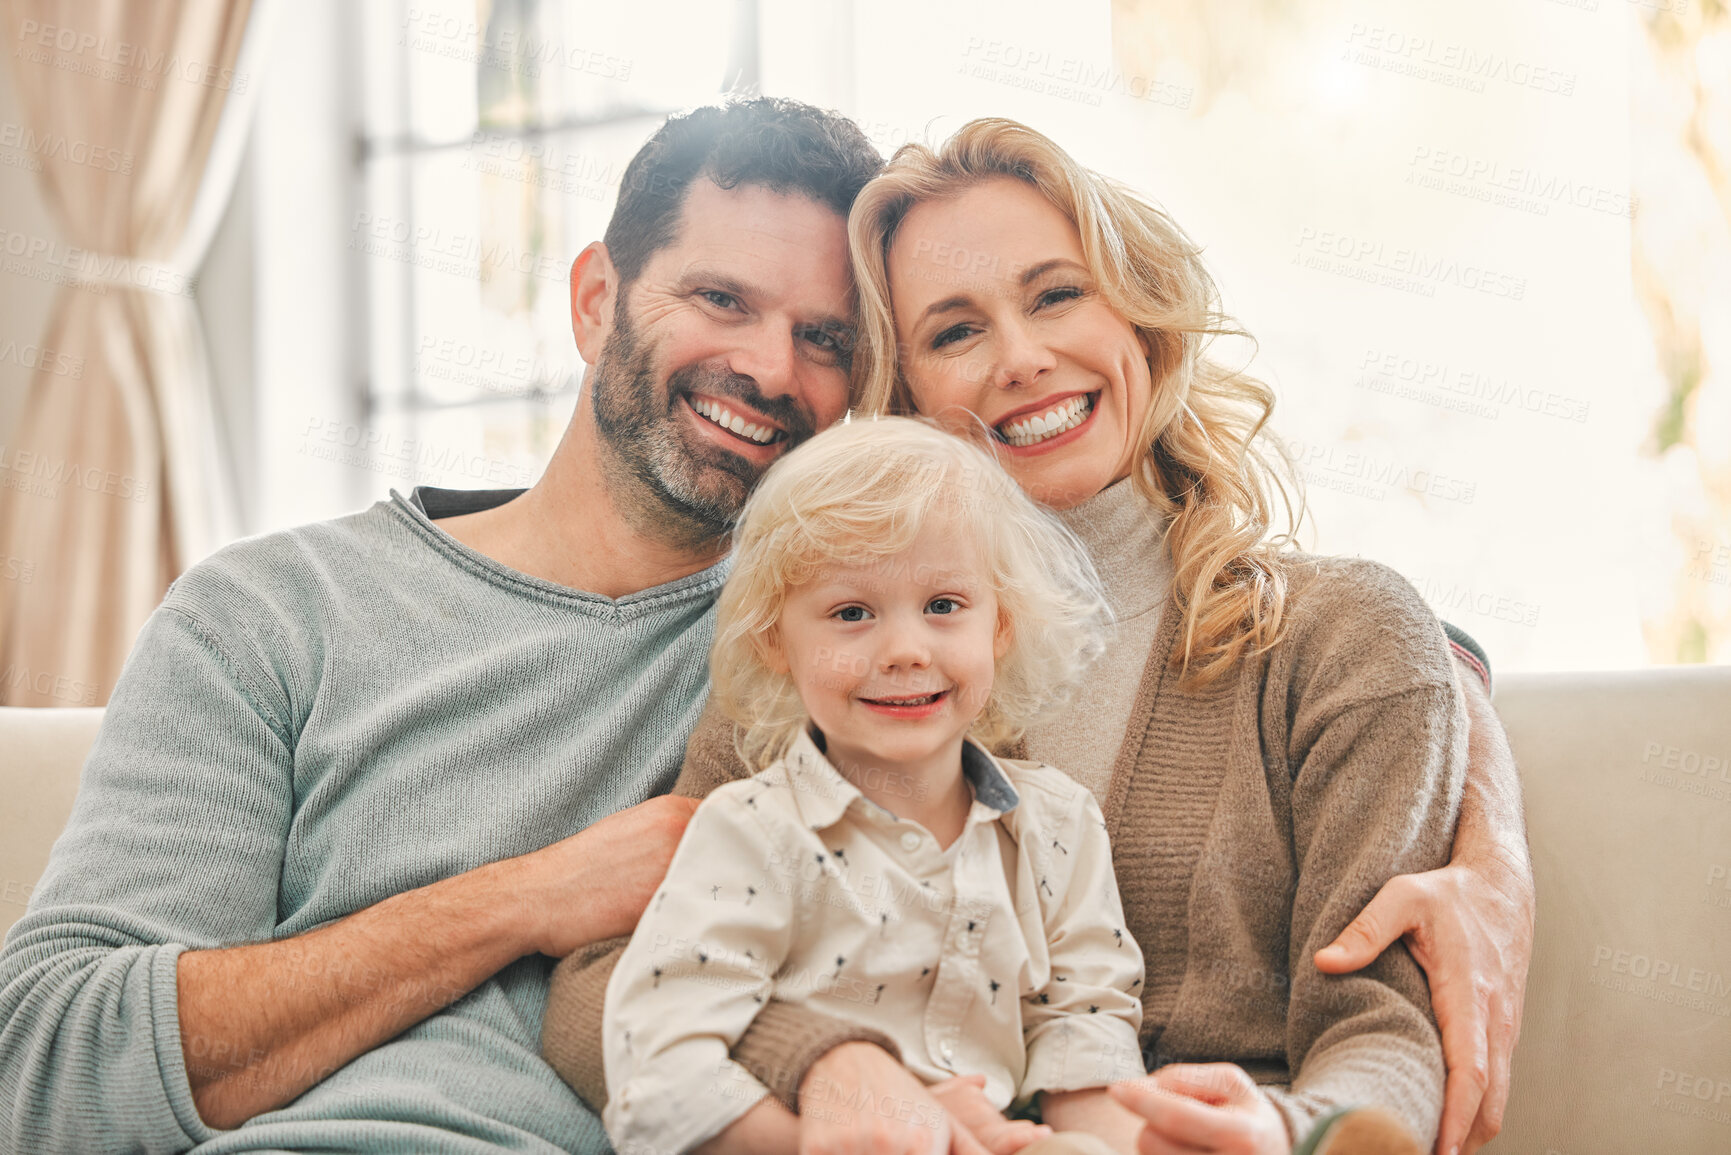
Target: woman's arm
x=1469 y=925
x=1368 y=725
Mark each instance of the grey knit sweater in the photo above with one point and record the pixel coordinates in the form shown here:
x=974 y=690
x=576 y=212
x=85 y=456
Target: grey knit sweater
x=1250 y=822
x=312 y=722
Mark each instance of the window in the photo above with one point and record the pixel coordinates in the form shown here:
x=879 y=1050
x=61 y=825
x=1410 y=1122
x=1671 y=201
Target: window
x=494 y=134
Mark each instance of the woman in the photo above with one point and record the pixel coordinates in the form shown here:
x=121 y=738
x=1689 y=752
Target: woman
x=1272 y=737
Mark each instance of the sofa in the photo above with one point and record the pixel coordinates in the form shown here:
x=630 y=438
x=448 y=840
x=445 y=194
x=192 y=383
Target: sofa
x=1626 y=1045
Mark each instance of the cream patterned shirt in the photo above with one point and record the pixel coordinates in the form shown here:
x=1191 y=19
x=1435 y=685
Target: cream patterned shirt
x=1003 y=955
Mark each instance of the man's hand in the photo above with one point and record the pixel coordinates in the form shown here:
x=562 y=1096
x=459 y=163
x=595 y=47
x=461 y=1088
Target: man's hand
x=964 y=1098
x=1470 y=926
x=1203 y=1107
x=858 y=1100
x=608 y=871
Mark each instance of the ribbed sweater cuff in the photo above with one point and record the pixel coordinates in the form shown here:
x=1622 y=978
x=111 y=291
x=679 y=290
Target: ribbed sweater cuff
x=785 y=1040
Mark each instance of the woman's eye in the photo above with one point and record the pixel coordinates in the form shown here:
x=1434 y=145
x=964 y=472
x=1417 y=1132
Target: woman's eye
x=951 y=335
x=851 y=613
x=943 y=606
x=1059 y=295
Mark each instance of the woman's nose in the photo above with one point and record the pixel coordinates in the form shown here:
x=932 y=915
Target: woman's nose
x=1021 y=358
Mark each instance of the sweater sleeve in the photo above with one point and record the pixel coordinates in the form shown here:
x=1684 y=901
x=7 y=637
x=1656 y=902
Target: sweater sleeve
x=1378 y=751
x=781 y=1042
x=175 y=841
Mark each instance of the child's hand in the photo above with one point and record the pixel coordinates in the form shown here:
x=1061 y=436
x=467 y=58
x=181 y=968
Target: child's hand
x=964 y=1097
x=1204 y=1107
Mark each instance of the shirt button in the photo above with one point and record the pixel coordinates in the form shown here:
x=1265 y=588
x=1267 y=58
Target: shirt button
x=910 y=841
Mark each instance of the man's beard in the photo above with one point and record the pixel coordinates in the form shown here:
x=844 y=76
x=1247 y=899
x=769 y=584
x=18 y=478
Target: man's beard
x=694 y=489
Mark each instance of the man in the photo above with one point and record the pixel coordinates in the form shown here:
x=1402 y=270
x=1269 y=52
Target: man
x=363 y=781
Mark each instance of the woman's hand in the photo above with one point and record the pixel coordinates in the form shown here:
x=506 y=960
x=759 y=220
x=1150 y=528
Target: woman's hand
x=859 y=1100
x=964 y=1098
x=1470 y=926
x=1203 y=1107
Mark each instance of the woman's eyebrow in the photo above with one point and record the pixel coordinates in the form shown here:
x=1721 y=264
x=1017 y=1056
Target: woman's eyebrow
x=947 y=305
x=1035 y=272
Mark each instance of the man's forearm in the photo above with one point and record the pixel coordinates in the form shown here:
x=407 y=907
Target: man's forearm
x=1492 y=829
x=262 y=1023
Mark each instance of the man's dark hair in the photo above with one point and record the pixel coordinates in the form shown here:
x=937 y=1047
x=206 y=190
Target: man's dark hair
x=782 y=145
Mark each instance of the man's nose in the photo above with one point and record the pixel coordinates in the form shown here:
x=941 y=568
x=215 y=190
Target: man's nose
x=769 y=359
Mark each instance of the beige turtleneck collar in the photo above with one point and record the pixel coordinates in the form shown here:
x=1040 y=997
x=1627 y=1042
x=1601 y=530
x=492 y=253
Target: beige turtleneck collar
x=1126 y=539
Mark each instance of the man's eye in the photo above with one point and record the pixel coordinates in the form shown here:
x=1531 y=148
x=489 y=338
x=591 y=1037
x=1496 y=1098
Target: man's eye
x=718 y=298
x=943 y=606
x=823 y=339
x=851 y=613
x=951 y=335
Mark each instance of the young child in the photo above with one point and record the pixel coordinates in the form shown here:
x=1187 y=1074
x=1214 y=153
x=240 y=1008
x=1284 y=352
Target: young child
x=897 y=605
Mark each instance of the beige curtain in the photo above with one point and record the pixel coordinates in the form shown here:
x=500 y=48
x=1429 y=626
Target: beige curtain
x=115 y=478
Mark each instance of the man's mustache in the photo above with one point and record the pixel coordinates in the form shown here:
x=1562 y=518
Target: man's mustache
x=723 y=385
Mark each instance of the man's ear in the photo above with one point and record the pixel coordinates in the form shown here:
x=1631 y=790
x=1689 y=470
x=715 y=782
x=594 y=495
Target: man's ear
x=594 y=283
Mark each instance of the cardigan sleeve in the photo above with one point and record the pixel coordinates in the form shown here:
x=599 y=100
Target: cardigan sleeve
x=782 y=1041
x=1378 y=755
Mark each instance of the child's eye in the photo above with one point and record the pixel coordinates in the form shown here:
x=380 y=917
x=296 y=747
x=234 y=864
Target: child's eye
x=851 y=613
x=943 y=606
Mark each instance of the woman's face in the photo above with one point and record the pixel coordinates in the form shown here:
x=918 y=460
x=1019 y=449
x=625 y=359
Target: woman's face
x=998 y=318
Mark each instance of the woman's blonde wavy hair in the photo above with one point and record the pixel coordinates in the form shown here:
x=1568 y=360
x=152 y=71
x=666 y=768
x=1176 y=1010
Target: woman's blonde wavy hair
x=1206 y=468
x=858 y=494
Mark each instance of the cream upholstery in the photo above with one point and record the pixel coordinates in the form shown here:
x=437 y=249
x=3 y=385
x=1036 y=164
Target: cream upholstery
x=40 y=755
x=1626 y=1045
x=1627 y=1042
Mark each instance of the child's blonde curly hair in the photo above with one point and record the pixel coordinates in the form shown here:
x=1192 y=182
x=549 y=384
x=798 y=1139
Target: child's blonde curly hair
x=862 y=492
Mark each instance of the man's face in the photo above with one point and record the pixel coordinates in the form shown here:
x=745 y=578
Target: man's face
x=728 y=350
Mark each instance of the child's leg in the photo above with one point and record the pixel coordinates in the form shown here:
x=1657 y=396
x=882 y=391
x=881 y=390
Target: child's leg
x=1069 y=1143
x=767 y=1129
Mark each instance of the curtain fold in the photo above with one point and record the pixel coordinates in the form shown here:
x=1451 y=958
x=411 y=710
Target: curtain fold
x=116 y=480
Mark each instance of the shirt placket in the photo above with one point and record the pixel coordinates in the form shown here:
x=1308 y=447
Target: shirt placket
x=961 y=971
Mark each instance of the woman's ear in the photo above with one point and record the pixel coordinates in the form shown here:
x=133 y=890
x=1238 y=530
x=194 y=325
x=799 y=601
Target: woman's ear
x=1004 y=635
x=594 y=282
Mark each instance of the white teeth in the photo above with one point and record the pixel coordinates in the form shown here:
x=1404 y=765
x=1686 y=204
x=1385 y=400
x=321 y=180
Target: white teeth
x=1059 y=419
x=733 y=422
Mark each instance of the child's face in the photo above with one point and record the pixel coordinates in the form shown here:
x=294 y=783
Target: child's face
x=893 y=657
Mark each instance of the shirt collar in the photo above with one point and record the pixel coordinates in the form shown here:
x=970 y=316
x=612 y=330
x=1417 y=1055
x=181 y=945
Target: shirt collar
x=823 y=795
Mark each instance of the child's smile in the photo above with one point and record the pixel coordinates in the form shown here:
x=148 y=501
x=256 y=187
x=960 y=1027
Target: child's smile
x=893 y=656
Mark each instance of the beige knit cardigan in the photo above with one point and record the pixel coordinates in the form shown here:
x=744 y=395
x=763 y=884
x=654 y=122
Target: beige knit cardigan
x=1250 y=822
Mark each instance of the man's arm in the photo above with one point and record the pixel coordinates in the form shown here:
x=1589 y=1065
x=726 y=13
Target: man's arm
x=1470 y=925
x=260 y=1024
x=117 y=1028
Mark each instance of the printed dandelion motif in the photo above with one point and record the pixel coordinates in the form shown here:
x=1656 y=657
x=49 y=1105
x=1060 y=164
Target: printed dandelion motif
x=750 y=893
x=1047 y=887
x=820 y=858
x=994 y=992
x=879 y=995
x=840 y=854
x=1119 y=936
x=1059 y=847
x=883 y=922
x=924 y=971
x=715 y=893
x=656 y=985
x=840 y=961
x=702 y=958
x=1044 y=999
x=1093 y=1010
x=659 y=899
